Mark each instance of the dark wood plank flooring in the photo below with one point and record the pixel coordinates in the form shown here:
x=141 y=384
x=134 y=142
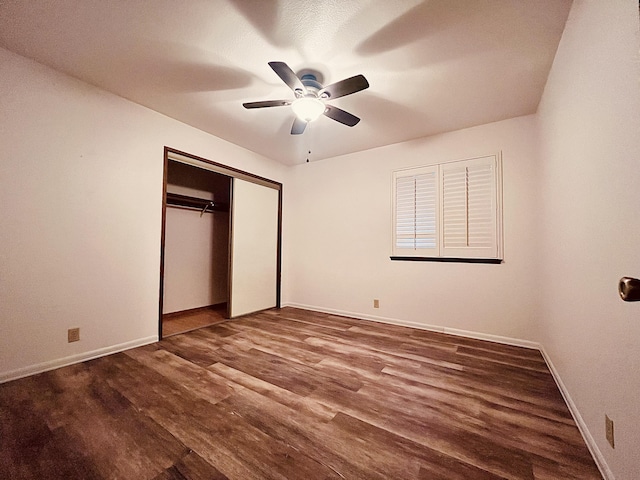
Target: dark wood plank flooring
x=293 y=394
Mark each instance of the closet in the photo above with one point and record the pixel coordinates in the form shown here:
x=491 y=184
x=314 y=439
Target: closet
x=220 y=255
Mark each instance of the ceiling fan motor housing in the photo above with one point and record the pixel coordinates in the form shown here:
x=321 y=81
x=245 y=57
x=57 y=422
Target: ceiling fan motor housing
x=310 y=81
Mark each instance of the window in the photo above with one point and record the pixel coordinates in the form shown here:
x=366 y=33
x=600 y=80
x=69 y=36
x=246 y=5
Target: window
x=449 y=211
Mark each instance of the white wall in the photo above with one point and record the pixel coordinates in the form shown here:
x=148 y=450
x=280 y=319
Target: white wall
x=341 y=238
x=80 y=214
x=590 y=139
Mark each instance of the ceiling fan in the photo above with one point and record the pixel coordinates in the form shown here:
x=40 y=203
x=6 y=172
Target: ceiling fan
x=311 y=96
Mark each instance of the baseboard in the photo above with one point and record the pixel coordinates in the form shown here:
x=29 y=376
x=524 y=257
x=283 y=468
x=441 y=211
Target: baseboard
x=422 y=326
x=586 y=434
x=80 y=357
x=606 y=472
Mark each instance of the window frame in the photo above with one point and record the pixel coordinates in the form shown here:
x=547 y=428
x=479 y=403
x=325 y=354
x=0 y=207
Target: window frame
x=467 y=254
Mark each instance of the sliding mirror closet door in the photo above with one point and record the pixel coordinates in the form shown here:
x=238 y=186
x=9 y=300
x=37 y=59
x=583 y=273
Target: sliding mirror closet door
x=254 y=247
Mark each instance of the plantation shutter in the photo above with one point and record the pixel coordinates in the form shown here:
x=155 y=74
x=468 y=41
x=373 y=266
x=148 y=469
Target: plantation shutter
x=449 y=211
x=469 y=208
x=416 y=212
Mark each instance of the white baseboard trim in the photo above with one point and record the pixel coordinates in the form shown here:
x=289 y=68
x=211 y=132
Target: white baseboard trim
x=422 y=326
x=586 y=434
x=70 y=360
x=606 y=472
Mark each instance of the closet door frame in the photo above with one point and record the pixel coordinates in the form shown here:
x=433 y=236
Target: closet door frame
x=171 y=154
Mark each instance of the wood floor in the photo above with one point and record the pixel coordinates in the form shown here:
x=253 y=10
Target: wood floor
x=291 y=394
x=181 y=322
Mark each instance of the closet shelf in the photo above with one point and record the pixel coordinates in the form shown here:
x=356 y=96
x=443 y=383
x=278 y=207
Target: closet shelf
x=195 y=203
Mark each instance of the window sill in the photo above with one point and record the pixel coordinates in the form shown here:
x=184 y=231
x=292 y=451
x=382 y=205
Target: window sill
x=449 y=259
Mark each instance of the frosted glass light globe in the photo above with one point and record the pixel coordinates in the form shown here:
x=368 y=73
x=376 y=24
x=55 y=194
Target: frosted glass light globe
x=308 y=108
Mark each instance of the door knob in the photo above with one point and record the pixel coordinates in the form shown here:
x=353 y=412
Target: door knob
x=629 y=289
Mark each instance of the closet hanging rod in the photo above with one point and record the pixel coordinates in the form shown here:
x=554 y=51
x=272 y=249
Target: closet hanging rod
x=195 y=203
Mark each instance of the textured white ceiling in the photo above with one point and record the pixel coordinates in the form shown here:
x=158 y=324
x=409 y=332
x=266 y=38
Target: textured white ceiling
x=433 y=66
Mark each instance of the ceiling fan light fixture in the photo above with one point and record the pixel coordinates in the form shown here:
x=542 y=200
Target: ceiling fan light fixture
x=311 y=96
x=308 y=108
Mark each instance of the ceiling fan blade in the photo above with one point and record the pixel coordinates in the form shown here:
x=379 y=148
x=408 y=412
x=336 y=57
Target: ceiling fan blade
x=288 y=76
x=341 y=116
x=298 y=126
x=345 y=87
x=267 y=103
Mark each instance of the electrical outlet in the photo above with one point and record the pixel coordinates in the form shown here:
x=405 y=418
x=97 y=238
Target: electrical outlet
x=609 y=430
x=376 y=303
x=73 y=335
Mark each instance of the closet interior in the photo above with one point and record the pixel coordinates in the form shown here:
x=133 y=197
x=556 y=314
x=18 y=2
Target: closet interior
x=196 y=248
